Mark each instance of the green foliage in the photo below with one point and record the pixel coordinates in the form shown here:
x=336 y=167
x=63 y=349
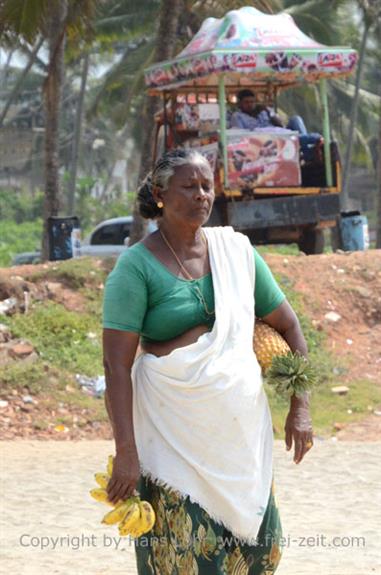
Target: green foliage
x=282 y=249
x=16 y=238
x=327 y=408
x=291 y=374
x=49 y=384
x=67 y=340
x=23 y=18
x=38 y=376
x=20 y=206
x=91 y=210
x=28 y=19
x=20 y=216
x=75 y=273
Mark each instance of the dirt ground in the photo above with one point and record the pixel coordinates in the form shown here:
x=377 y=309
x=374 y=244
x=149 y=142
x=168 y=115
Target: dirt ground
x=329 y=508
x=346 y=286
x=50 y=524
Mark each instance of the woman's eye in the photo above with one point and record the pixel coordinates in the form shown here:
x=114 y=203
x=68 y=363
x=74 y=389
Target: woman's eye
x=207 y=186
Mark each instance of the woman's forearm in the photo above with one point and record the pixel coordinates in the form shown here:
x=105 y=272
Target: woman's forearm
x=118 y=398
x=293 y=335
x=295 y=339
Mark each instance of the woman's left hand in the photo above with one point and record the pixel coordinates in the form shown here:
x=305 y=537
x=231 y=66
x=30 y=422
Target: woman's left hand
x=298 y=428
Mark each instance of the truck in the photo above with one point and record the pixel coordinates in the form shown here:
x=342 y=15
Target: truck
x=272 y=184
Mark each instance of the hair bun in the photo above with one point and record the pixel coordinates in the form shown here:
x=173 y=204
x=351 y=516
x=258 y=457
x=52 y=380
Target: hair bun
x=147 y=206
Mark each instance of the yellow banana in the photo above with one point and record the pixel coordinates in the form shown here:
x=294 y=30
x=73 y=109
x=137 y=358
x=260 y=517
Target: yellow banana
x=110 y=462
x=136 y=532
x=131 y=520
x=118 y=513
x=102 y=479
x=100 y=494
x=147 y=516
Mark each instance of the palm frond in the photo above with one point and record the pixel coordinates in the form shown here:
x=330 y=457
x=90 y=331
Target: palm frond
x=118 y=81
x=22 y=18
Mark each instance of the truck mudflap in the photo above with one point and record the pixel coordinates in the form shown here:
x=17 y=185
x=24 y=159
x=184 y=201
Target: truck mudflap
x=276 y=212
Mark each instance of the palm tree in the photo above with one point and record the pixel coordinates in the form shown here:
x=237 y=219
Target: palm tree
x=371 y=11
x=77 y=133
x=378 y=238
x=165 y=49
x=18 y=85
x=53 y=22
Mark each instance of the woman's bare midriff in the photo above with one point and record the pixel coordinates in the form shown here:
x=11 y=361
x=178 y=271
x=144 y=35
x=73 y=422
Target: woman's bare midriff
x=160 y=348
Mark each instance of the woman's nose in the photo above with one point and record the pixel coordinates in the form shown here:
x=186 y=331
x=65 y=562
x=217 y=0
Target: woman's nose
x=201 y=192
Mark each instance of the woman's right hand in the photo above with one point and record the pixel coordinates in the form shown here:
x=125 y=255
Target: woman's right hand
x=125 y=475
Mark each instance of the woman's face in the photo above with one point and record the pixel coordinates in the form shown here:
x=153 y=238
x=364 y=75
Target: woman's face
x=190 y=194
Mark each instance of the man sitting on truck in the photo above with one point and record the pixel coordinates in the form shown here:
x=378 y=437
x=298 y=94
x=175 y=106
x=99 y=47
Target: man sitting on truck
x=251 y=116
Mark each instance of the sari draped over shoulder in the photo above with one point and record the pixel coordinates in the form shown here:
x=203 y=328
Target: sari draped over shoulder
x=202 y=422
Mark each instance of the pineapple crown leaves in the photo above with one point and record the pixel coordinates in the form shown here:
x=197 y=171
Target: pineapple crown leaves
x=291 y=374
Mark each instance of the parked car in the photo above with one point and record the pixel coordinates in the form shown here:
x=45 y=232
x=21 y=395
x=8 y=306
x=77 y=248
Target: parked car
x=109 y=238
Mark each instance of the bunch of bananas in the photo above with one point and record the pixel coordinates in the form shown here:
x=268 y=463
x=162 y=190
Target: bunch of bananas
x=135 y=517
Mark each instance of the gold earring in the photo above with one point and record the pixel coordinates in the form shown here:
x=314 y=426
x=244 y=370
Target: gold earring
x=160 y=205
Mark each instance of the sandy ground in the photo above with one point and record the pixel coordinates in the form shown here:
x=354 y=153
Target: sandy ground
x=49 y=524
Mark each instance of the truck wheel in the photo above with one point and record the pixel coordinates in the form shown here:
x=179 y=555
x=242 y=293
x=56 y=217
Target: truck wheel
x=311 y=241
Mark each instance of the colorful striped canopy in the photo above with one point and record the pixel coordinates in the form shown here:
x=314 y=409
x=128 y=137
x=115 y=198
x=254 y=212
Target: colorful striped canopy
x=250 y=48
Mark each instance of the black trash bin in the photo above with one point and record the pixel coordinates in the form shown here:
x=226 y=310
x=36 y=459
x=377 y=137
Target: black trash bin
x=63 y=235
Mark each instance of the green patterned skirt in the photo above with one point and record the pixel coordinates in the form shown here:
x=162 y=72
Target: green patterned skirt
x=186 y=541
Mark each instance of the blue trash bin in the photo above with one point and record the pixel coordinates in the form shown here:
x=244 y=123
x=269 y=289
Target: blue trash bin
x=354 y=231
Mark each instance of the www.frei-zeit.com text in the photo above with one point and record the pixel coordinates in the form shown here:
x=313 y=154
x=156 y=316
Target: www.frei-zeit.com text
x=76 y=542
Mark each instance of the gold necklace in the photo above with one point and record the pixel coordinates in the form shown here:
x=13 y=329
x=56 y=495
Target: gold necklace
x=185 y=271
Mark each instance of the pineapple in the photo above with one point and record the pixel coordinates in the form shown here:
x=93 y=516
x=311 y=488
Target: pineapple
x=267 y=343
x=289 y=373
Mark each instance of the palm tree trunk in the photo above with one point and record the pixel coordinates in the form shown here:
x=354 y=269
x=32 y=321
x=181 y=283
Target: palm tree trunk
x=20 y=81
x=77 y=135
x=165 y=47
x=378 y=238
x=5 y=71
x=353 y=119
x=52 y=94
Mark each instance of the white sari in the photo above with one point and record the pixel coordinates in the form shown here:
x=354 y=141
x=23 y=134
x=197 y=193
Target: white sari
x=201 y=418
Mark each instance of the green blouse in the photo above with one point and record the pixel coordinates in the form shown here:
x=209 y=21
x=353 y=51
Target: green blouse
x=143 y=296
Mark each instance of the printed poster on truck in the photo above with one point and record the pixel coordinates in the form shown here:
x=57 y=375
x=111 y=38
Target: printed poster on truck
x=263 y=160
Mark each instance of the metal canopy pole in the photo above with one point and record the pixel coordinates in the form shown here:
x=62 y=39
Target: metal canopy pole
x=222 y=106
x=165 y=120
x=326 y=132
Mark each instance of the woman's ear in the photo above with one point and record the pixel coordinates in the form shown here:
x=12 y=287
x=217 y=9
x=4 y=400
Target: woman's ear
x=157 y=193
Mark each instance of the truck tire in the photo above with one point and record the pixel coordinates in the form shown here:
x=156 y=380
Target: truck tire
x=311 y=241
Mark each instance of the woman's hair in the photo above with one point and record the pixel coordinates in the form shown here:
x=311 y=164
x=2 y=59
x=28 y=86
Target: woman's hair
x=161 y=174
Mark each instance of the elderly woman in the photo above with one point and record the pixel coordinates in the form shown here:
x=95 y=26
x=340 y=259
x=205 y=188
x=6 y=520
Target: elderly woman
x=191 y=422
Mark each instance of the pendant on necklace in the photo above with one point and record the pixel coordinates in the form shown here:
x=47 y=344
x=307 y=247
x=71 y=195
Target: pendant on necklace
x=202 y=301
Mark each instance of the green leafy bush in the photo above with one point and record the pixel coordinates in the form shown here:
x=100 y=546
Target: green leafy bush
x=67 y=340
x=20 y=206
x=16 y=238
